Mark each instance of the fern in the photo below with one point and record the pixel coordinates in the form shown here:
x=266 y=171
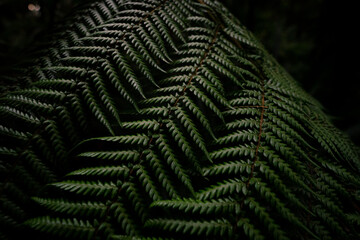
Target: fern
x=165 y=119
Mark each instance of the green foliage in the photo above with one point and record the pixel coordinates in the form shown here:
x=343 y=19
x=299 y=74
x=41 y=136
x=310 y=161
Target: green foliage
x=168 y=120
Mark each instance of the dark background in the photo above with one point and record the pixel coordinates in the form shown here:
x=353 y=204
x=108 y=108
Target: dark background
x=317 y=41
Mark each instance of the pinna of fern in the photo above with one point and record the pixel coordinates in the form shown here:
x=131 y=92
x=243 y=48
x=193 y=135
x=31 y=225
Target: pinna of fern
x=164 y=119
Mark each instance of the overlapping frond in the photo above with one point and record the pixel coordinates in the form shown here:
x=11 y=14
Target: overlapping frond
x=165 y=119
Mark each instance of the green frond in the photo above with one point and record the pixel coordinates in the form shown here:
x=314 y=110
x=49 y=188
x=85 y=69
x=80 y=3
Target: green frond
x=164 y=31
x=106 y=41
x=143 y=125
x=280 y=127
x=241 y=151
x=222 y=70
x=242 y=123
x=62 y=227
x=30 y=103
x=219 y=228
x=116 y=81
x=173 y=23
x=286 y=167
x=224 y=189
x=260 y=212
x=13 y=133
x=76 y=71
x=124 y=219
x=85 y=188
x=96 y=50
x=95 y=107
x=152 y=44
x=161 y=100
x=77 y=108
x=148 y=184
x=239 y=136
x=8 y=151
x=183 y=143
x=280 y=207
x=198 y=114
x=108 y=171
x=333 y=183
x=157 y=36
x=166 y=119
x=191 y=206
x=277 y=183
x=342 y=172
x=139 y=139
x=158 y=168
x=142 y=49
x=80 y=60
x=279 y=88
x=82 y=209
x=243 y=39
x=182 y=10
x=202 y=96
x=249 y=229
x=129 y=155
x=64 y=117
x=104 y=95
x=173 y=162
x=213 y=78
x=329 y=220
x=156 y=111
x=190 y=127
x=202 y=20
x=123 y=64
x=42 y=94
x=212 y=90
x=132 y=192
x=136 y=57
x=242 y=111
x=289 y=119
x=228 y=168
x=176 y=89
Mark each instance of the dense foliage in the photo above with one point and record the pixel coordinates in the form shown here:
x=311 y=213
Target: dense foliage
x=168 y=120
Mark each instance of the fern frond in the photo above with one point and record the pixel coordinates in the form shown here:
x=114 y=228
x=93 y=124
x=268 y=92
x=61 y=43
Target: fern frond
x=222 y=189
x=109 y=171
x=139 y=139
x=220 y=228
x=129 y=155
x=85 y=188
x=165 y=119
x=174 y=163
x=95 y=108
x=123 y=218
x=182 y=142
x=191 y=129
x=228 y=168
x=82 y=209
x=148 y=184
x=265 y=218
x=158 y=167
x=191 y=206
x=63 y=227
x=143 y=125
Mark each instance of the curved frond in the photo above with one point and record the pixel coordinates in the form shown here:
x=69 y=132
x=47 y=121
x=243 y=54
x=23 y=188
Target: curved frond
x=167 y=119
